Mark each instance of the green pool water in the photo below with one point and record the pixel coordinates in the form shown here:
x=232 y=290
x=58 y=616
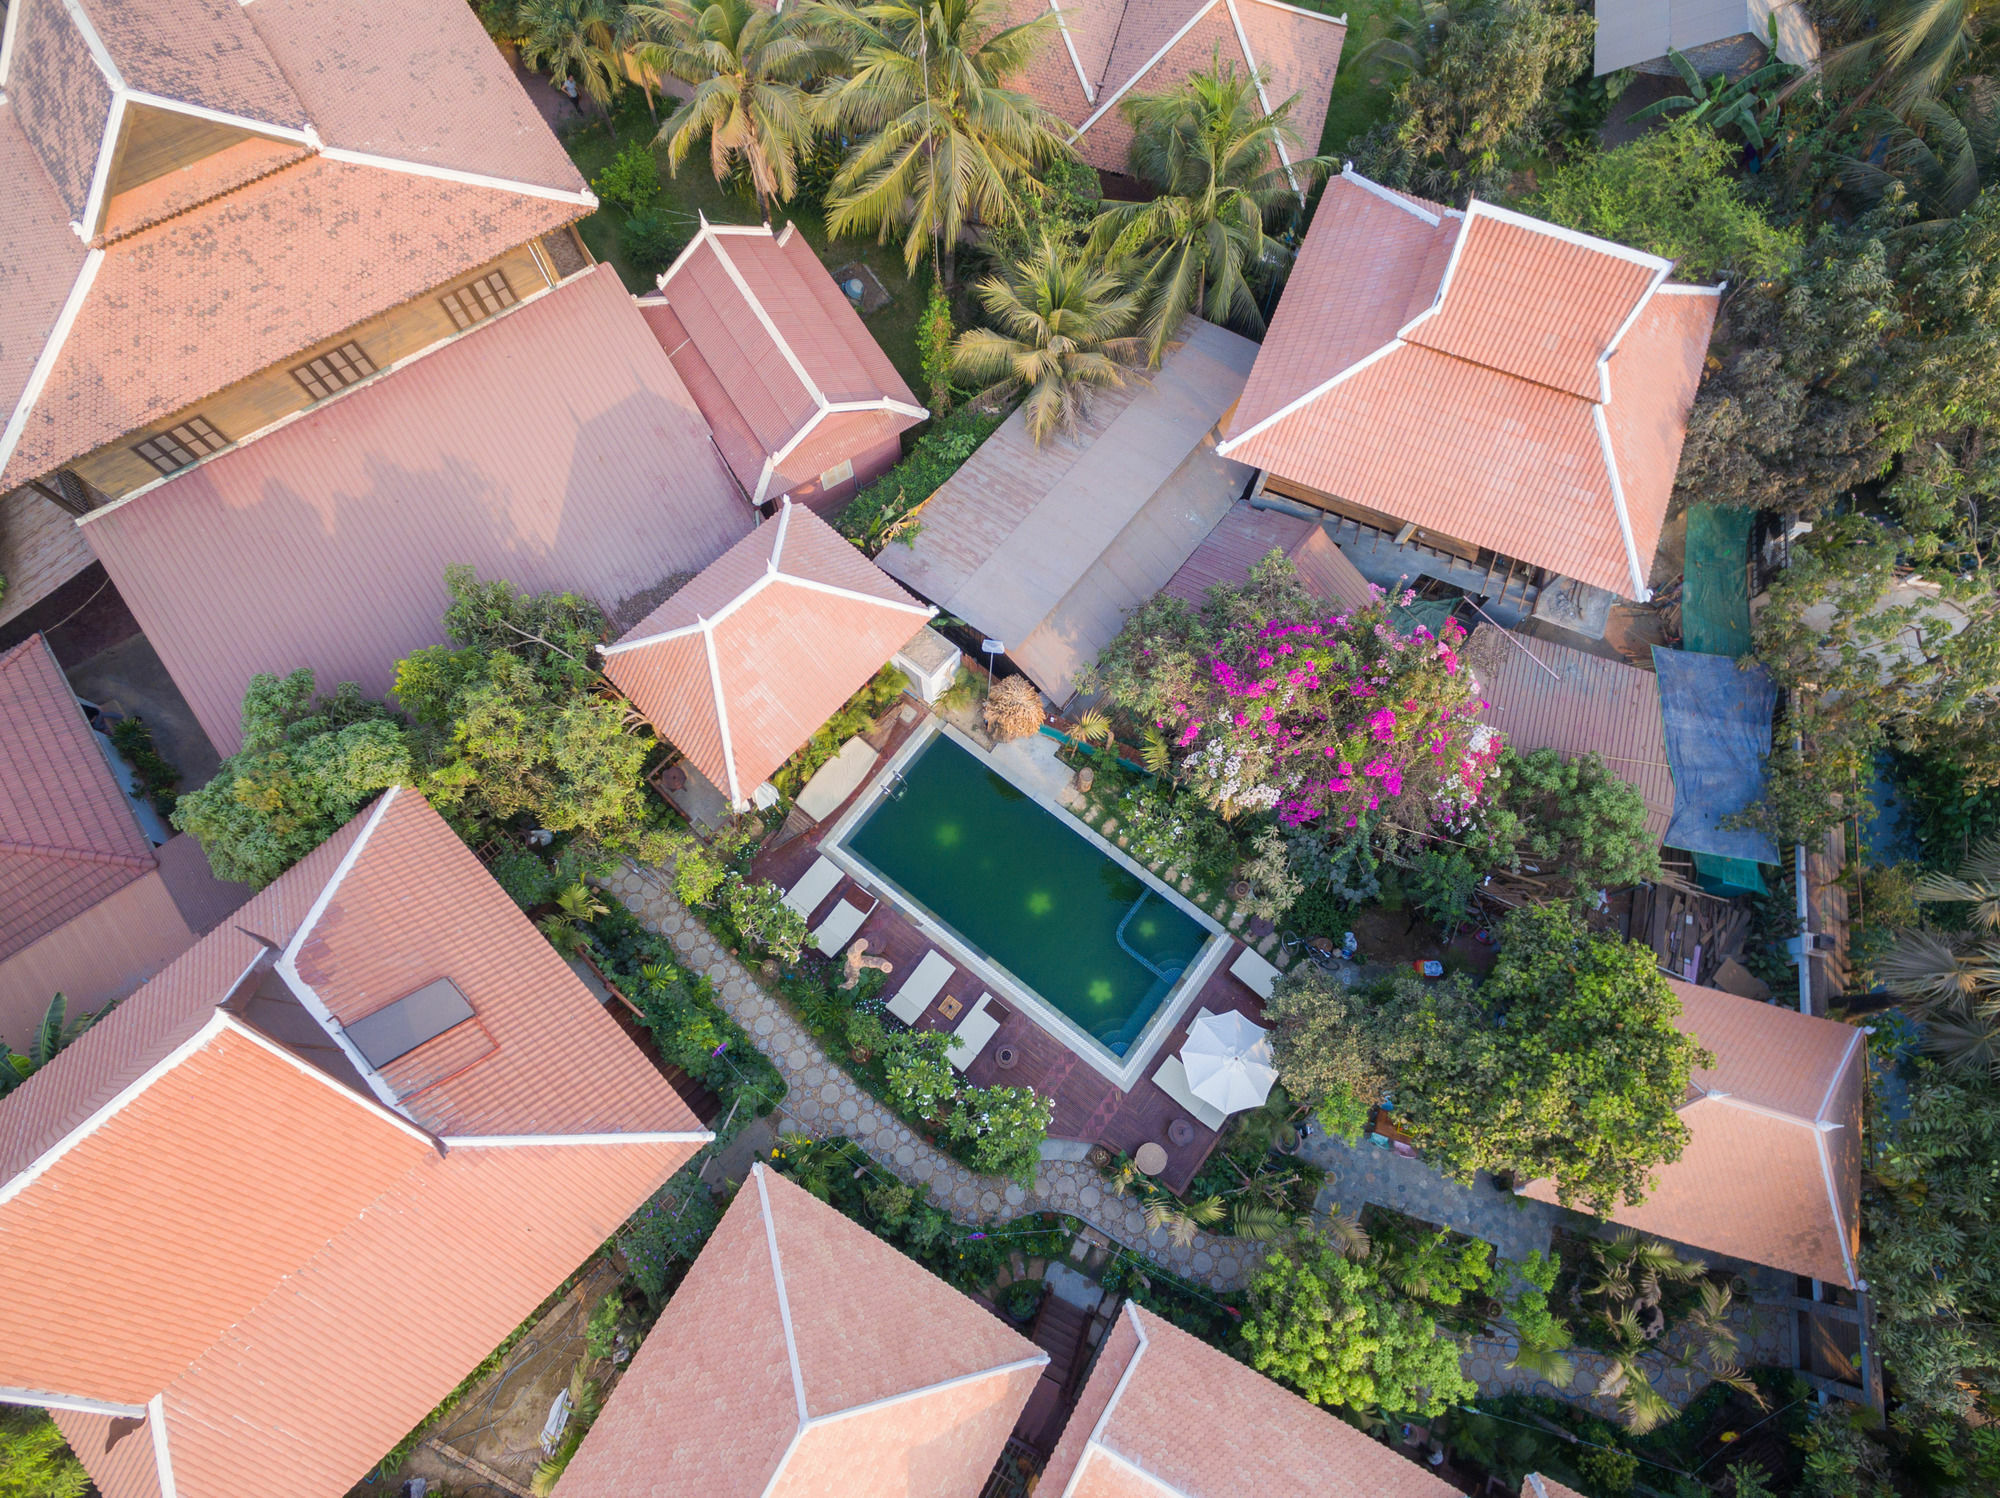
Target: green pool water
x=1029 y=892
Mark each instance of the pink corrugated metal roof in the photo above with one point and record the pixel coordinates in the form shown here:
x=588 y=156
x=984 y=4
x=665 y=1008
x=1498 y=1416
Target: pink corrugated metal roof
x=67 y=837
x=742 y=665
x=1588 y=706
x=1772 y=1169
x=553 y=446
x=824 y=1364
x=1164 y=1413
x=1450 y=376
x=265 y=1246
x=1247 y=535
x=765 y=341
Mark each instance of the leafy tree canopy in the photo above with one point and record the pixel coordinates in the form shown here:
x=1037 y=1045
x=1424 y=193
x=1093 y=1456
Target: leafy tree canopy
x=1572 y=818
x=1672 y=192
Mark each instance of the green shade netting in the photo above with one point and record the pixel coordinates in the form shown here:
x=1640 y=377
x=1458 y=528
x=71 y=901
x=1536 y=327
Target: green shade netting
x=1715 y=593
x=1728 y=876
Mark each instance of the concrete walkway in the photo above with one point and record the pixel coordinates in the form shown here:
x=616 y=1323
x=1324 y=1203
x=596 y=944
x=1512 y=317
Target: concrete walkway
x=1360 y=1173
x=824 y=1100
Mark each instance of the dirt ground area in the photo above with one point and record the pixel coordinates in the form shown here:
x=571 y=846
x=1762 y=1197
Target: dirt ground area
x=1392 y=939
x=499 y=1423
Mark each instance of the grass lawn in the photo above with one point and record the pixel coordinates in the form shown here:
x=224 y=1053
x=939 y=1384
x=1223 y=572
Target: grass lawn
x=695 y=190
x=1360 y=89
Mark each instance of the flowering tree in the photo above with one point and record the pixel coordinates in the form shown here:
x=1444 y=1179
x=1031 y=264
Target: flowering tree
x=1334 y=722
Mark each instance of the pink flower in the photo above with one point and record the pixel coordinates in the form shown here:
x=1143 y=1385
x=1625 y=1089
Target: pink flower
x=1382 y=723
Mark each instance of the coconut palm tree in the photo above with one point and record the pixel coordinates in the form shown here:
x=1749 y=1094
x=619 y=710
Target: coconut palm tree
x=1951 y=980
x=1212 y=152
x=1915 y=48
x=752 y=71
x=575 y=39
x=940 y=138
x=1946 y=151
x=1058 y=333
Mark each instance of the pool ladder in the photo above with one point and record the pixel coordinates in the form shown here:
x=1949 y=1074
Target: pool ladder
x=1130 y=951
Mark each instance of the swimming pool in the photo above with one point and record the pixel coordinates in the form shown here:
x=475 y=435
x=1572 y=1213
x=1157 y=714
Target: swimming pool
x=1029 y=891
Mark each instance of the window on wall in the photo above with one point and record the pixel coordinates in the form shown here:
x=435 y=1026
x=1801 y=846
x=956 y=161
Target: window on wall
x=172 y=450
x=840 y=473
x=333 y=370
x=479 y=301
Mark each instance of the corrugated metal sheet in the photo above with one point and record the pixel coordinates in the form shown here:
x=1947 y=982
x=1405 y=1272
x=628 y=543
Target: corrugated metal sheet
x=100 y=955
x=1021 y=541
x=67 y=836
x=1588 y=706
x=554 y=447
x=1247 y=535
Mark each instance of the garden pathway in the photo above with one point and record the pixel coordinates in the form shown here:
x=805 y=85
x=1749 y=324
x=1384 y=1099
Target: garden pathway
x=824 y=1100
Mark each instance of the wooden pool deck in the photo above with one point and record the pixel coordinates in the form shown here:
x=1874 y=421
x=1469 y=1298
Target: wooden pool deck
x=1022 y=1053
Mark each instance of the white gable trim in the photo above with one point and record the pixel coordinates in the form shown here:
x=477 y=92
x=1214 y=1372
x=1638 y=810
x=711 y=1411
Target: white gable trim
x=1311 y=15
x=771 y=563
x=99 y=53
x=534 y=1141
x=814 y=585
x=1120 y=1460
x=1263 y=99
x=288 y=965
x=1089 y=88
x=163 y=1461
x=118 y=1103
x=1840 y=1071
x=784 y=1303
x=1096 y=1441
x=583 y=199
x=1040 y=1360
x=1833 y=1206
x=304 y=135
x=722 y=712
x=38 y=377
x=1568 y=236
x=92 y=219
x=1618 y=337
x=7 y=36
x=1348 y=174
x=1152 y=62
x=82 y=1406
x=308 y=1069
x=1224 y=449
x=1676 y=289
x=1640 y=592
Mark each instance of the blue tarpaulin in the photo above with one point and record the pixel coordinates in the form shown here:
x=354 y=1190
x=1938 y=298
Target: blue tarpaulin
x=1718 y=727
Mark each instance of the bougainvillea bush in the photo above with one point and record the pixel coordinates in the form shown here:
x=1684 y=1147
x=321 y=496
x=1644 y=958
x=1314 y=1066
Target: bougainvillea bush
x=1335 y=722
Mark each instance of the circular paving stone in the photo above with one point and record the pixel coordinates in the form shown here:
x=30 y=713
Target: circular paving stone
x=830 y=1093
x=1203 y=1263
x=965 y=1196
x=1015 y=1196
x=1090 y=1196
x=923 y=1170
x=906 y=1156
x=762 y=1024
x=849 y=1109
x=989 y=1201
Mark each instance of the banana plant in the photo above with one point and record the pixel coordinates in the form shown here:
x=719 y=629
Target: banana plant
x=1749 y=104
x=55 y=1031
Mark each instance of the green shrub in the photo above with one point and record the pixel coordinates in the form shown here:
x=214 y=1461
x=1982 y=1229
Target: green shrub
x=934 y=335
x=668 y=1231
x=34 y=1460
x=157 y=778
x=938 y=454
x=758 y=911
x=631 y=180
x=1570 y=817
x=1023 y=1298
x=652 y=238
x=1004 y=1127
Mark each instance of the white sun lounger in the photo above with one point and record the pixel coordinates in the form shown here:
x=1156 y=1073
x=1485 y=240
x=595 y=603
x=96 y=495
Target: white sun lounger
x=838 y=929
x=1172 y=1079
x=970 y=1038
x=815 y=886
x=923 y=985
x=1257 y=974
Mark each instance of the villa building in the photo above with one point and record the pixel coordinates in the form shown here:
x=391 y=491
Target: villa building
x=263 y=1176
x=1772 y=1170
x=800 y=397
x=95 y=894
x=803 y=1357
x=1484 y=397
x=1107 y=50
x=1165 y=1415
x=239 y=238
x=1716 y=36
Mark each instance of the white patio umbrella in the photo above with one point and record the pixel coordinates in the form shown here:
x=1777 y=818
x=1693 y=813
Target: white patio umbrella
x=1228 y=1061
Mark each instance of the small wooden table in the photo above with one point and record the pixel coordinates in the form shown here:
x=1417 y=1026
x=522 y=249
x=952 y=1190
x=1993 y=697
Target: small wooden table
x=949 y=1007
x=1150 y=1158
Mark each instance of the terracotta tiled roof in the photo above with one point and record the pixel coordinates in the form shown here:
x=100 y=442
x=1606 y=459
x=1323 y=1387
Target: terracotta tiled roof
x=1247 y=535
x=261 y=1222
x=553 y=446
x=1484 y=375
x=1581 y=704
x=67 y=837
x=803 y=1356
x=1537 y=1486
x=1165 y=1415
x=741 y=666
x=1105 y=50
x=421 y=83
x=1772 y=1169
x=772 y=350
x=429 y=160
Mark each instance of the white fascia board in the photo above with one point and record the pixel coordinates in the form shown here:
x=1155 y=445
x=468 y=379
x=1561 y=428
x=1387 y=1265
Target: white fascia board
x=1833 y=1206
x=722 y=711
x=45 y=363
x=1089 y=88
x=660 y=639
x=882 y=403
x=1640 y=592
x=7 y=35
x=1567 y=236
x=1348 y=174
x=209 y=1029
x=1618 y=337
x=1675 y=289
x=303 y=135
x=814 y=585
x=163 y=1460
x=701 y=237
x=1039 y=1360
x=777 y=556
x=305 y=1067
x=49 y=1400
x=584 y=199
x=99 y=53
x=288 y=966
x=784 y=1300
x=87 y=227
x=1311 y=15
x=1839 y=1071
x=1224 y=449
x=1096 y=1441
x=772 y=460
x=1112 y=98
x=1263 y=99
x=538 y=1141
x=1154 y=1482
